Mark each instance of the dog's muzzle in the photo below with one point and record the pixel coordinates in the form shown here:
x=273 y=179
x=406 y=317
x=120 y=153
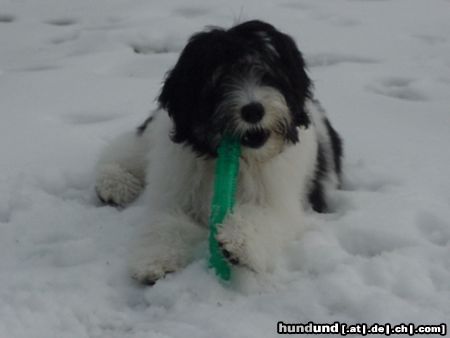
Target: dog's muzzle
x=255 y=138
x=252 y=112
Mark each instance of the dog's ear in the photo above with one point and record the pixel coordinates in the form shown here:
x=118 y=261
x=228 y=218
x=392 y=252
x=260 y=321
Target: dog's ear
x=292 y=61
x=183 y=85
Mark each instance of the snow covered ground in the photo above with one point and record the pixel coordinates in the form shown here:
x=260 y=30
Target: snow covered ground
x=74 y=74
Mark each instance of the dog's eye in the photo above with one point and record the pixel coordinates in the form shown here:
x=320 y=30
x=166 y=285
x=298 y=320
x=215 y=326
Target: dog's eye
x=276 y=81
x=268 y=80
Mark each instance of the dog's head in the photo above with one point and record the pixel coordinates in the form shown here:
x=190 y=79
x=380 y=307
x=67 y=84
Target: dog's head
x=249 y=81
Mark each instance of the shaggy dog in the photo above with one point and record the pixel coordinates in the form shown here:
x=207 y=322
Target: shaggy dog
x=248 y=81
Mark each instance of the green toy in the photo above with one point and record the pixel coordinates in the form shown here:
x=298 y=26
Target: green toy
x=225 y=182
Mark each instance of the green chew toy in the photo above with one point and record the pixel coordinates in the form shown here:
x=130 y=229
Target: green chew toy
x=227 y=169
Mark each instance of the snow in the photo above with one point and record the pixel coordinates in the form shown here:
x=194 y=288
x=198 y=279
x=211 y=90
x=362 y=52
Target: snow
x=74 y=74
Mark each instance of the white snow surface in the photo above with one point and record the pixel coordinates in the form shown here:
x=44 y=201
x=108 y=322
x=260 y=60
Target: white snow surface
x=74 y=74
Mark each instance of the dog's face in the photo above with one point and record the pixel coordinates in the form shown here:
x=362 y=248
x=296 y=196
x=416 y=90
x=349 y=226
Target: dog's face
x=248 y=81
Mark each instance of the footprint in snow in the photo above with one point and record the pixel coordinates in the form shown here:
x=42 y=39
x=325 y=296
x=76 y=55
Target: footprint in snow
x=345 y=22
x=436 y=230
x=65 y=38
x=369 y=242
x=331 y=59
x=191 y=12
x=399 y=88
x=155 y=45
x=38 y=68
x=335 y=19
x=143 y=48
x=430 y=39
x=297 y=5
x=5 y=214
x=62 y=22
x=85 y=118
x=7 y=18
x=360 y=177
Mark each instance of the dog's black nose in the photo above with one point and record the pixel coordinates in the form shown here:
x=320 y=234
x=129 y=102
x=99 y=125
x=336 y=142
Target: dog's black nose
x=252 y=112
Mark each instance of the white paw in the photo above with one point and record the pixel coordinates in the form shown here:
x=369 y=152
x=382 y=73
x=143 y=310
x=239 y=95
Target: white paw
x=233 y=242
x=114 y=185
x=148 y=269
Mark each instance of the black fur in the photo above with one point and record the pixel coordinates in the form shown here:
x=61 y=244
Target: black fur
x=317 y=197
x=317 y=194
x=196 y=87
x=336 y=144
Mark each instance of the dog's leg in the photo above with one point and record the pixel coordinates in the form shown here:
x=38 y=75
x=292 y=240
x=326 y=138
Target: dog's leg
x=120 y=175
x=253 y=236
x=269 y=211
x=165 y=246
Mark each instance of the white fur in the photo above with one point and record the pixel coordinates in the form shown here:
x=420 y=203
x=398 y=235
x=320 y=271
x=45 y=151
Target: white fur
x=269 y=207
x=121 y=169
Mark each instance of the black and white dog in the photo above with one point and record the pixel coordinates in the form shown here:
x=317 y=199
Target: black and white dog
x=248 y=81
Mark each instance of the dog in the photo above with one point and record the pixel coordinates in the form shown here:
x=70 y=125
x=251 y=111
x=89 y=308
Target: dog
x=249 y=81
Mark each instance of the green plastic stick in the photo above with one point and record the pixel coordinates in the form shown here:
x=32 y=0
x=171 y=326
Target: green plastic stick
x=225 y=182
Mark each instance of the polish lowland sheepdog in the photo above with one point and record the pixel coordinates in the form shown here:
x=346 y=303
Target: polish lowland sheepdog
x=248 y=81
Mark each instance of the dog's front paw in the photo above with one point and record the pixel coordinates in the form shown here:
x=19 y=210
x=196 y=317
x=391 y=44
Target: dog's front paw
x=148 y=275
x=147 y=270
x=234 y=244
x=230 y=250
x=116 y=186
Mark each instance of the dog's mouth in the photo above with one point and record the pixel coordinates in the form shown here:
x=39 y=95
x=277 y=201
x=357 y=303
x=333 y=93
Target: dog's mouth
x=255 y=138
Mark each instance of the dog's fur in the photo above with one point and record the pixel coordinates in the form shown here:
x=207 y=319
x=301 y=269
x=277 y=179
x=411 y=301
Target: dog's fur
x=248 y=81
